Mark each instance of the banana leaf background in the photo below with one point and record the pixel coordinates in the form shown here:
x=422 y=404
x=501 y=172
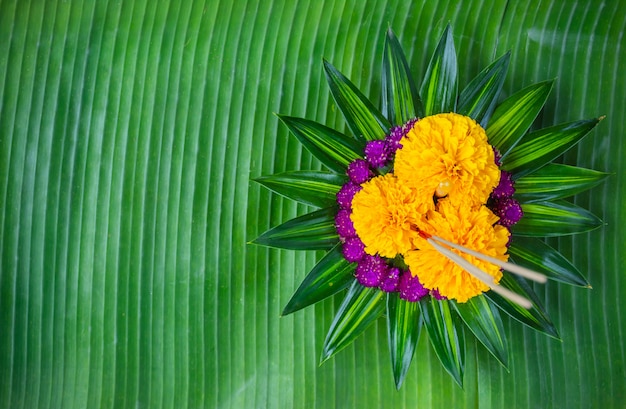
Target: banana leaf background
x=129 y=132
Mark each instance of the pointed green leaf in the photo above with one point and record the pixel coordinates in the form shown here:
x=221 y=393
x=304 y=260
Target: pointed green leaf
x=362 y=117
x=535 y=317
x=483 y=319
x=541 y=147
x=556 y=181
x=439 y=89
x=306 y=186
x=537 y=255
x=330 y=275
x=515 y=115
x=550 y=219
x=401 y=101
x=313 y=231
x=332 y=148
x=479 y=98
x=446 y=336
x=403 y=331
x=360 y=308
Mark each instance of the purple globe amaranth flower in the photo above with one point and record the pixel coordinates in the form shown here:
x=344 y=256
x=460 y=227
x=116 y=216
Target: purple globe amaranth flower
x=437 y=295
x=377 y=153
x=396 y=134
x=410 y=288
x=505 y=186
x=359 y=171
x=508 y=210
x=497 y=156
x=345 y=195
x=343 y=224
x=353 y=249
x=371 y=270
x=390 y=281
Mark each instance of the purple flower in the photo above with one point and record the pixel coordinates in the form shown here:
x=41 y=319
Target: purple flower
x=353 y=249
x=377 y=153
x=410 y=287
x=497 y=156
x=359 y=171
x=345 y=195
x=508 y=210
x=390 y=281
x=343 y=224
x=371 y=270
x=396 y=134
x=393 y=139
x=436 y=295
x=505 y=186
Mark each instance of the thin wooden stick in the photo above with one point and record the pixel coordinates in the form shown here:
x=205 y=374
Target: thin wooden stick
x=481 y=275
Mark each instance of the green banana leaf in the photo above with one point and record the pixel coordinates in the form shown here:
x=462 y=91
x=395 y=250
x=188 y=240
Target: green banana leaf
x=130 y=132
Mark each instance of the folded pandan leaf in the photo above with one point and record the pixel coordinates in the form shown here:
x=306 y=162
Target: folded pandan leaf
x=310 y=187
x=483 y=319
x=330 y=275
x=401 y=102
x=359 y=309
x=313 y=231
x=332 y=148
x=556 y=181
x=537 y=255
x=535 y=317
x=440 y=86
x=446 y=336
x=512 y=119
x=364 y=120
x=540 y=147
x=403 y=330
x=479 y=98
x=551 y=219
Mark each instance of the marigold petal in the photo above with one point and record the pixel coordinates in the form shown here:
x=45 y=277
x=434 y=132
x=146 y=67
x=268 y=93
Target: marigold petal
x=470 y=227
x=448 y=148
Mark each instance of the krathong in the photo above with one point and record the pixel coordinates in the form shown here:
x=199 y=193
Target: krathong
x=434 y=210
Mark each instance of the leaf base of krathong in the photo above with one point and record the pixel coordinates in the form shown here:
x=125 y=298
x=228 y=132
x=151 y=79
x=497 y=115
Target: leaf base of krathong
x=358 y=310
x=403 y=331
x=330 y=275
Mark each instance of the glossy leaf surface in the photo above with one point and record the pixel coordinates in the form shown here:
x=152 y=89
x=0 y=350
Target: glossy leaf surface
x=329 y=276
x=439 y=89
x=129 y=132
x=403 y=331
x=358 y=310
x=556 y=181
x=514 y=116
x=401 y=101
x=308 y=187
x=539 y=256
x=313 y=231
x=549 y=219
x=362 y=117
x=483 y=320
x=332 y=148
x=479 y=98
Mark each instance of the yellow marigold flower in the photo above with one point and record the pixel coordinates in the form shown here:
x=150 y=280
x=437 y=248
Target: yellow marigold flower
x=469 y=227
x=448 y=154
x=384 y=214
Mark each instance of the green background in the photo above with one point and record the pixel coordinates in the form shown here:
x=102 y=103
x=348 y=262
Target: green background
x=129 y=131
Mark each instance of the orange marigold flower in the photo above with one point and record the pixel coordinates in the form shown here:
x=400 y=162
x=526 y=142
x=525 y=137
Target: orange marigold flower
x=472 y=227
x=448 y=154
x=384 y=214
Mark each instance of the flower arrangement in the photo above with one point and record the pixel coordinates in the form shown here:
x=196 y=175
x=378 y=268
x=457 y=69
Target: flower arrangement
x=433 y=211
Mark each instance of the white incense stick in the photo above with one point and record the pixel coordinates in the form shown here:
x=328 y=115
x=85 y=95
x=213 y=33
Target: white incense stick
x=513 y=268
x=481 y=275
